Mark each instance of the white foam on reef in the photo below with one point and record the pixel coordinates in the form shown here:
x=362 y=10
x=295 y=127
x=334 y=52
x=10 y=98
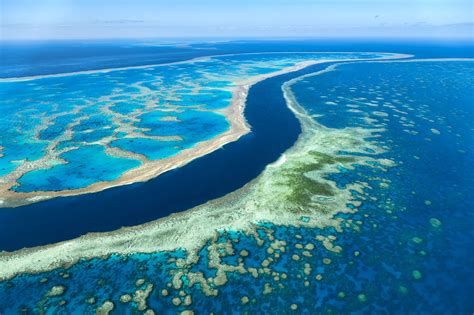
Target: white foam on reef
x=283 y=194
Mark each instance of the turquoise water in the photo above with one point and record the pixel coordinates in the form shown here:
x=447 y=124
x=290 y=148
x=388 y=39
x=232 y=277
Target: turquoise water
x=45 y=120
x=78 y=172
x=406 y=250
x=193 y=126
x=152 y=149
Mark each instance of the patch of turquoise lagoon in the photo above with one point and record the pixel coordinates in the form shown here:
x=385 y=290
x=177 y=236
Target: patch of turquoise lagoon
x=151 y=149
x=127 y=107
x=86 y=165
x=193 y=126
x=210 y=99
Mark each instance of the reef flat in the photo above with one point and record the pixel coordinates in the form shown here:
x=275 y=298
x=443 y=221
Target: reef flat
x=344 y=217
x=132 y=124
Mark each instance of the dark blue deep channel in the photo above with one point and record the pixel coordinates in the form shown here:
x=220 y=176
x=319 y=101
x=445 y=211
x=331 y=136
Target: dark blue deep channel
x=274 y=130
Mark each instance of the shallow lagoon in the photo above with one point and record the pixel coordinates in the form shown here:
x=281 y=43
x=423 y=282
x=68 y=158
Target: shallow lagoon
x=92 y=161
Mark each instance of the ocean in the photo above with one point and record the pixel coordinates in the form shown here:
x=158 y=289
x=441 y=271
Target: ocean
x=392 y=141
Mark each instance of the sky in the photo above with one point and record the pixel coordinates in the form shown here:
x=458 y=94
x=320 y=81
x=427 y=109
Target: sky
x=94 y=19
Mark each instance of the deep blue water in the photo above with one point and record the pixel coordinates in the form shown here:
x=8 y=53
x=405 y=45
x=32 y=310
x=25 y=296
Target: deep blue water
x=429 y=124
x=37 y=58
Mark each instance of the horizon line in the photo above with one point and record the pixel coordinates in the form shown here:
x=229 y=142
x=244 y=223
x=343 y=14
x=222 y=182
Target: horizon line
x=250 y=38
